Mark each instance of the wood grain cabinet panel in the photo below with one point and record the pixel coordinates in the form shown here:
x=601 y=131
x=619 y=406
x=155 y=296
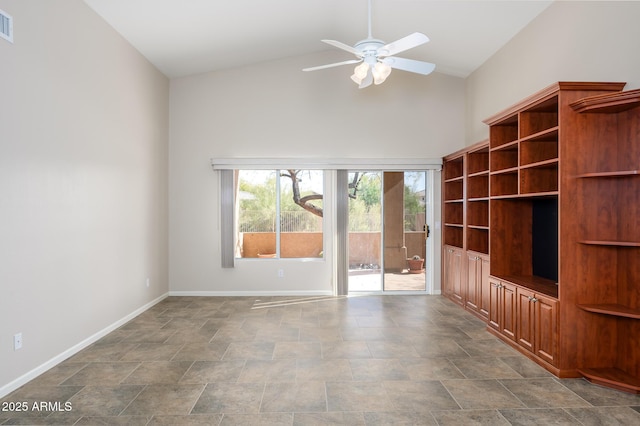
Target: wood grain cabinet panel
x=452 y=272
x=503 y=308
x=509 y=311
x=546 y=328
x=477 y=288
x=537 y=324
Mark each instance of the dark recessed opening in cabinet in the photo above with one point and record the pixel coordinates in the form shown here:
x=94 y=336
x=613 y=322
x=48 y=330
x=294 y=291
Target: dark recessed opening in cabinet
x=544 y=235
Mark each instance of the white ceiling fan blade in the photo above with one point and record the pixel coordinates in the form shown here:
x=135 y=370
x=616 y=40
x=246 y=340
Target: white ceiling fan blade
x=343 y=46
x=405 y=43
x=410 y=65
x=337 y=64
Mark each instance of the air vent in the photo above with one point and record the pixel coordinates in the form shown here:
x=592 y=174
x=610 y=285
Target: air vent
x=6 y=26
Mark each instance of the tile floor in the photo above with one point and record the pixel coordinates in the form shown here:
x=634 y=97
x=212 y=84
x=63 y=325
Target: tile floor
x=370 y=360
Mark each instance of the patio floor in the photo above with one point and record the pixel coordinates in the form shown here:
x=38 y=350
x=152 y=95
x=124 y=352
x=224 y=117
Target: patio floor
x=392 y=281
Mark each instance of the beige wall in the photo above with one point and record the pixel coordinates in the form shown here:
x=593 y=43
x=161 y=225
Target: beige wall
x=569 y=41
x=83 y=183
x=275 y=110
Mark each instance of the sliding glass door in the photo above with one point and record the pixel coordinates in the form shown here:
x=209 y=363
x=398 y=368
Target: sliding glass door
x=387 y=230
x=365 y=231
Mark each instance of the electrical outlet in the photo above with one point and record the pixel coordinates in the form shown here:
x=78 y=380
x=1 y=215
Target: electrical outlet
x=280 y=273
x=17 y=341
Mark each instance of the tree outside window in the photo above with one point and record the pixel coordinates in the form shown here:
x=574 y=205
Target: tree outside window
x=280 y=213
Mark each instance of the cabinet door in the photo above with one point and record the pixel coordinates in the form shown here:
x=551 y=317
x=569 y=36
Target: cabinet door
x=525 y=319
x=473 y=281
x=494 y=304
x=546 y=328
x=446 y=267
x=484 y=302
x=508 y=305
x=448 y=271
x=456 y=276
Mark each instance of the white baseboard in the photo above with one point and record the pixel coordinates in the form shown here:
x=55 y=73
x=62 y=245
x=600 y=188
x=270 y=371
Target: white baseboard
x=25 y=378
x=251 y=293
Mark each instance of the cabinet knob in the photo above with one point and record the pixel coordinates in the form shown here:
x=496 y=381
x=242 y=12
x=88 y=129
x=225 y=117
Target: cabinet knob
x=534 y=300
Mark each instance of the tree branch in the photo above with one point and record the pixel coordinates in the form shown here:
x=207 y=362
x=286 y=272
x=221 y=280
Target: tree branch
x=303 y=201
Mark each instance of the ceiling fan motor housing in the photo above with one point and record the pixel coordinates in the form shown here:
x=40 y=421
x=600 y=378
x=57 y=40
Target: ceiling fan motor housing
x=369 y=47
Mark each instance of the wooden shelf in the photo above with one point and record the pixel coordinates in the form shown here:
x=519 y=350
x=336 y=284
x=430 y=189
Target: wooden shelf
x=512 y=145
x=455 y=179
x=613 y=378
x=541 y=164
x=533 y=283
x=615 y=174
x=476 y=174
x=457 y=200
x=483 y=228
x=526 y=195
x=611 y=243
x=544 y=135
x=504 y=171
x=612 y=309
x=456 y=225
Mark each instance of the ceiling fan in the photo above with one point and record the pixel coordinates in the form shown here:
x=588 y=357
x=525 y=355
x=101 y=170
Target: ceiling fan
x=376 y=58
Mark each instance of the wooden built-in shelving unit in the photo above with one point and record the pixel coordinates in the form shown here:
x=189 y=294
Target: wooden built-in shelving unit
x=466 y=228
x=564 y=234
x=554 y=199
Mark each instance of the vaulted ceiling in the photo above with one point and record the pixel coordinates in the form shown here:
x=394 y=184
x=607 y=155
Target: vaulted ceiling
x=184 y=37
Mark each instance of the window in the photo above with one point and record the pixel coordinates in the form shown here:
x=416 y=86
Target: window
x=279 y=213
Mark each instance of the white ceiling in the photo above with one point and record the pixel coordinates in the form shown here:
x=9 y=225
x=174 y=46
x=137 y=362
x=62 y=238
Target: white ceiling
x=184 y=37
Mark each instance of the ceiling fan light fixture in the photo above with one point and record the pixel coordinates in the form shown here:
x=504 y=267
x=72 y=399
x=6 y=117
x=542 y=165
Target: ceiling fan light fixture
x=360 y=72
x=380 y=72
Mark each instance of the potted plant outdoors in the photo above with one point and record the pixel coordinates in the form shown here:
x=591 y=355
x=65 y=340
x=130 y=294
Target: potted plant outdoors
x=416 y=264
